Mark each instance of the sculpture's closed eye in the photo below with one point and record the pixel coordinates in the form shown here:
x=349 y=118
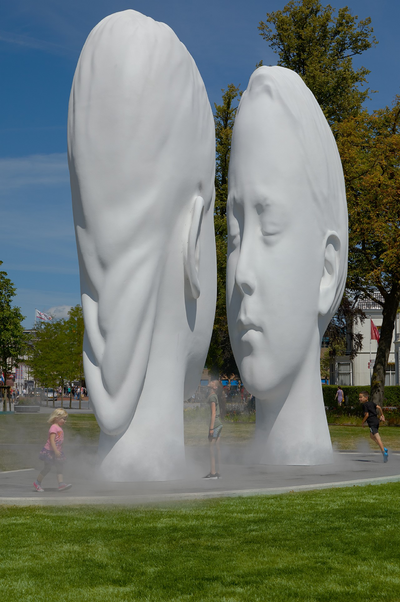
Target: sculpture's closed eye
x=271 y=218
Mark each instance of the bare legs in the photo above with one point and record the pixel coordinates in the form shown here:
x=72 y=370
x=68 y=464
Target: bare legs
x=377 y=439
x=215 y=455
x=46 y=469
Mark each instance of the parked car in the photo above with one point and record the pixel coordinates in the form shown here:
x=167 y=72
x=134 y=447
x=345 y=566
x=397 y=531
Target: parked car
x=50 y=393
x=37 y=392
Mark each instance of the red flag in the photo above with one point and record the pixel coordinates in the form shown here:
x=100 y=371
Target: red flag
x=374 y=332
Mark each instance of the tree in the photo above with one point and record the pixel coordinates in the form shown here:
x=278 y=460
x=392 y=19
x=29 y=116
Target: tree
x=342 y=340
x=56 y=353
x=370 y=148
x=74 y=331
x=319 y=47
x=46 y=354
x=220 y=357
x=12 y=338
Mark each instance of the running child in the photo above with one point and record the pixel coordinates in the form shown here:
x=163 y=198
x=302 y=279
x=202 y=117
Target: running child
x=51 y=453
x=372 y=419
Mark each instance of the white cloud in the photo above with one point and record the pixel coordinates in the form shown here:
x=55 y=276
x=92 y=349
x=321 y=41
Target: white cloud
x=37 y=244
x=60 y=311
x=20 y=40
x=34 y=170
x=45 y=300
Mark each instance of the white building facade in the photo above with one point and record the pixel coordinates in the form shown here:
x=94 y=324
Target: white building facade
x=358 y=372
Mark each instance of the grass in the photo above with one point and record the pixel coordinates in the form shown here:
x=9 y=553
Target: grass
x=20 y=430
x=314 y=546
x=240 y=433
x=33 y=428
x=350 y=437
x=82 y=429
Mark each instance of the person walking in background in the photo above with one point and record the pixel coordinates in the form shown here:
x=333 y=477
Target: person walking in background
x=372 y=419
x=339 y=395
x=52 y=454
x=214 y=433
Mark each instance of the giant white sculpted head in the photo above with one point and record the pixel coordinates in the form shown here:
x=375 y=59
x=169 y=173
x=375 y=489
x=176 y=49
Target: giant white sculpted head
x=287 y=259
x=141 y=157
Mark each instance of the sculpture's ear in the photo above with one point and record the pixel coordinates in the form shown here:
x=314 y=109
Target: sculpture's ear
x=330 y=275
x=192 y=251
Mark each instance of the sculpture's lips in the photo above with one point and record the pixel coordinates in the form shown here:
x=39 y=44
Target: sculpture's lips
x=244 y=325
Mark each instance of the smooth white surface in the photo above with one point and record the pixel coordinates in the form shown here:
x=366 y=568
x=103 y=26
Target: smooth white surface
x=141 y=155
x=287 y=260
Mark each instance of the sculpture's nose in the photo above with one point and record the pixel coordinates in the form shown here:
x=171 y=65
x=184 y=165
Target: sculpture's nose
x=244 y=276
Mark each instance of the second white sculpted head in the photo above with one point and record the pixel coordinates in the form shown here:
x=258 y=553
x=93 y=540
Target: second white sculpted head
x=287 y=230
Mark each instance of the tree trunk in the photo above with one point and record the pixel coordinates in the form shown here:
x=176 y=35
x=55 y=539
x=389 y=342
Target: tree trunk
x=385 y=340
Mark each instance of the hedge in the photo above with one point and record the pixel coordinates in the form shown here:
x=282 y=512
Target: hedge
x=391 y=396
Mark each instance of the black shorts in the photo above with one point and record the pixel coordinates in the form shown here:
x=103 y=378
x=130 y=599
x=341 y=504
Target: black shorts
x=374 y=427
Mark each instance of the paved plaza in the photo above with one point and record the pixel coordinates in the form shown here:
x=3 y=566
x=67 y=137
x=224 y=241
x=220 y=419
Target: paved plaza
x=240 y=477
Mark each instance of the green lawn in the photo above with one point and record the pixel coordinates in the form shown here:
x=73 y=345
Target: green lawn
x=334 y=545
x=350 y=437
x=82 y=429
x=33 y=428
x=239 y=433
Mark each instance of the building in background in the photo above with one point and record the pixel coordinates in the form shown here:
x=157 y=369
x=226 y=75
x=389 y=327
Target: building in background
x=358 y=372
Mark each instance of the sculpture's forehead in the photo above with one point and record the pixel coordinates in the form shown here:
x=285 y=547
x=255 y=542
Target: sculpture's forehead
x=266 y=165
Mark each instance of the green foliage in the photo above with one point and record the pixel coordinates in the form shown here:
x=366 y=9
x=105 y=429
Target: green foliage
x=56 y=352
x=391 y=398
x=12 y=338
x=220 y=357
x=46 y=353
x=342 y=340
x=74 y=331
x=310 y=546
x=369 y=146
x=319 y=46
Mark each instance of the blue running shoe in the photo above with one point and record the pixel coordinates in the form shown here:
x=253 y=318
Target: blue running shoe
x=385 y=449
x=385 y=456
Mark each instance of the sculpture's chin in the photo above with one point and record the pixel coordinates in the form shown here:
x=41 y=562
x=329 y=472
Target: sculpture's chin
x=259 y=377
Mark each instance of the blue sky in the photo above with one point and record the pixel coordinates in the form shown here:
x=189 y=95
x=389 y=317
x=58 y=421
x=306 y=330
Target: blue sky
x=40 y=44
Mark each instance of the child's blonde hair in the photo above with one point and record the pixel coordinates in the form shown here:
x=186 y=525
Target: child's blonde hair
x=56 y=415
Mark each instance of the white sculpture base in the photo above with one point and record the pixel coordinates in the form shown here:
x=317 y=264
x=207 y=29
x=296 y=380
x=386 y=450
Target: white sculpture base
x=143 y=453
x=292 y=429
x=278 y=444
